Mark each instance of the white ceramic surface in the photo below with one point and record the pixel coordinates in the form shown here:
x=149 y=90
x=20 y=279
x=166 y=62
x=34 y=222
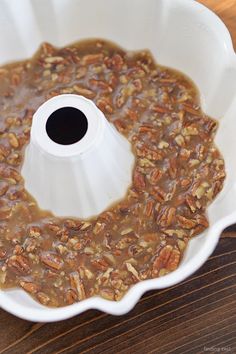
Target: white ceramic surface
x=81 y=179
x=180 y=33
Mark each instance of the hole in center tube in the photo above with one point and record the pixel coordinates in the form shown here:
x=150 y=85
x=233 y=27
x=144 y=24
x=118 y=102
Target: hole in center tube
x=66 y=125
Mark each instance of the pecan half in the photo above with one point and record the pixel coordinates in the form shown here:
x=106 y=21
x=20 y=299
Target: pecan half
x=52 y=260
x=19 y=264
x=166 y=216
x=77 y=284
x=139 y=180
x=168 y=258
x=186 y=223
x=31 y=288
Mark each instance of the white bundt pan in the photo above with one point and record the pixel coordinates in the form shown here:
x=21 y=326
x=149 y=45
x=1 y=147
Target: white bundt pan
x=181 y=34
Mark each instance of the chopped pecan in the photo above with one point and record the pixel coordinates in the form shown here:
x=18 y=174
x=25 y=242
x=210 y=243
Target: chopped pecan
x=155 y=176
x=105 y=105
x=52 y=260
x=148 y=153
x=117 y=62
x=43 y=298
x=92 y=59
x=132 y=270
x=197 y=230
x=34 y=231
x=159 y=194
x=18 y=250
x=19 y=264
x=31 y=288
x=189 y=109
x=120 y=99
x=109 y=257
x=172 y=168
x=191 y=129
x=107 y=293
x=179 y=139
x=137 y=84
x=84 y=91
x=160 y=109
x=73 y=224
x=184 y=154
x=3 y=253
x=124 y=242
x=131 y=114
x=186 y=223
x=13 y=140
x=71 y=296
x=217 y=186
x=120 y=125
x=185 y=182
x=219 y=175
x=5 y=210
x=99 y=227
x=104 y=86
x=202 y=220
x=2 y=277
x=77 y=284
x=54 y=60
x=3 y=188
x=167 y=258
x=100 y=264
x=210 y=125
x=81 y=72
x=139 y=180
x=149 y=207
x=63 y=234
x=166 y=216
x=190 y=201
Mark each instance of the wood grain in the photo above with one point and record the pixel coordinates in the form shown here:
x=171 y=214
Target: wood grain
x=226 y=10
x=196 y=316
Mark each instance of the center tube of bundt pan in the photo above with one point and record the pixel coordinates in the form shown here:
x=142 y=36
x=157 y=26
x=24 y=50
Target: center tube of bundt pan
x=67 y=125
x=76 y=164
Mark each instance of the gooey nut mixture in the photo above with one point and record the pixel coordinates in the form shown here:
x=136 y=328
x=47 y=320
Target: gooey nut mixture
x=178 y=171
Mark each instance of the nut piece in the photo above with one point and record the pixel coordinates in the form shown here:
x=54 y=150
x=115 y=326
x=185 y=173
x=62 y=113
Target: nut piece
x=139 y=180
x=105 y=105
x=52 y=260
x=2 y=277
x=100 y=264
x=167 y=258
x=148 y=210
x=84 y=91
x=107 y=293
x=29 y=287
x=155 y=176
x=34 y=231
x=19 y=265
x=77 y=284
x=43 y=298
x=186 y=223
x=3 y=188
x=13 y=140
x=92 y=59
x=71 y=296
x=166 y=217
x=54 y=60
x=132 y=270
x=117 y=62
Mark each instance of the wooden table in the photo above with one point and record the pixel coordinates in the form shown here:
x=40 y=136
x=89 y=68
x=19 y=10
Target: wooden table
x=197 y=316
